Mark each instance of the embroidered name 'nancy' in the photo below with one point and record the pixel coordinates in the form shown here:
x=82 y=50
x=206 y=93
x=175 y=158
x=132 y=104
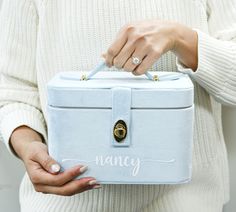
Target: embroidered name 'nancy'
x=122 y=161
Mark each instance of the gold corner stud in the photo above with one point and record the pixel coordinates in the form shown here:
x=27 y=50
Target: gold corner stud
x=155 y=78
x=83 y=77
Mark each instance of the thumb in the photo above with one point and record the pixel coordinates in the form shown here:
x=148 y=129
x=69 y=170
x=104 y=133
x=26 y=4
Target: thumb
x=48 y=163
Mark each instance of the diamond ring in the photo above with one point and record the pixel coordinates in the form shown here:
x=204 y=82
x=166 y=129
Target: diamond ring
x=136 y=60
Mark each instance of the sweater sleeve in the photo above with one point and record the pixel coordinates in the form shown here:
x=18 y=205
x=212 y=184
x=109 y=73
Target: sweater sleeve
x=216 y=70
x=19 y=97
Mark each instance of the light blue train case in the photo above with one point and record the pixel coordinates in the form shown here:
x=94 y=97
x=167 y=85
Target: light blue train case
x=127 y=129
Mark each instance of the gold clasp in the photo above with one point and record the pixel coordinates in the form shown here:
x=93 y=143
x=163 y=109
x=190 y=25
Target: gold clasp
x=120 y=131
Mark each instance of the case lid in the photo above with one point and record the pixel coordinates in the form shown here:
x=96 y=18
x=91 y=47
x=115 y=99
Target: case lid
x=67 y=90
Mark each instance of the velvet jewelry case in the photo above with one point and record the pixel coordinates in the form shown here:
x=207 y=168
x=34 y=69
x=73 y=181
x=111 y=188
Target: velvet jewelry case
x=127 y=129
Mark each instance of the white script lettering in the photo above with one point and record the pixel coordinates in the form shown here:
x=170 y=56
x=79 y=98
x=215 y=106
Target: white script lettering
x=122 y=161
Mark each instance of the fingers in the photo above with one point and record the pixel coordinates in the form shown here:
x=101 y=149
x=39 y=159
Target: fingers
x=63 y=183
x=40 y=176
x=125 y=53
x=45 y=170
x=45 y=176
x=146 y=64
x=48 y=163
x=116 y=47
x=146 y=40
x=71 y=188
x=140 y=53
x=146 y=55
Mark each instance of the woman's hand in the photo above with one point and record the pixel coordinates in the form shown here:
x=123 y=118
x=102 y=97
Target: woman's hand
x=148 y=41
x=44 y=171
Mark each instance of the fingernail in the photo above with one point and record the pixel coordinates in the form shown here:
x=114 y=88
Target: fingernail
x=83 y=169
x=92 y=182
x=97 y=187
x=55 y=168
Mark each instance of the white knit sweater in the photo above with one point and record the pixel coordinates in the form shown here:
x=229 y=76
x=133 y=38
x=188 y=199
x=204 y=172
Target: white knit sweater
x=41 y=37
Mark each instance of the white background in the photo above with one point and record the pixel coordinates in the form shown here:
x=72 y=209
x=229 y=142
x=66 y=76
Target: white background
x=12 y=170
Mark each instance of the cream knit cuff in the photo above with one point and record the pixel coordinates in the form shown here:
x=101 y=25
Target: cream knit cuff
x=216 y=72
x=16 y=115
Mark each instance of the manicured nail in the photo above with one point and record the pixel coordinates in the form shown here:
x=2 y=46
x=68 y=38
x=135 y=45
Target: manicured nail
x=83 y=169
x=92 y=182
x=97 y=187
x=55 y=168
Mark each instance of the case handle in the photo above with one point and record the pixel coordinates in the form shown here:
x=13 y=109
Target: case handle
x=155 y=77
x=102 y=65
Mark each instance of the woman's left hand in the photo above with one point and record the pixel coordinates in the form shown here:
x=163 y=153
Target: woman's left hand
x=147 y=41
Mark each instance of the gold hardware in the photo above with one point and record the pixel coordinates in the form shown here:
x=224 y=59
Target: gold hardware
x=83 y=77
x=155 y=78
x=120 y=131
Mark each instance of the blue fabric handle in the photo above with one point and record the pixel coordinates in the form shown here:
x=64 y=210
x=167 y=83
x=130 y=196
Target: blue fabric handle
x=101 y=65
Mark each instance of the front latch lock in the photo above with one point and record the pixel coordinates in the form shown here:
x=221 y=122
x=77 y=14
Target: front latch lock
x=120 y=131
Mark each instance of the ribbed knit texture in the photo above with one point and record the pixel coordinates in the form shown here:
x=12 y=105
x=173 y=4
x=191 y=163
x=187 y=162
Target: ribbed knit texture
x=41 y=37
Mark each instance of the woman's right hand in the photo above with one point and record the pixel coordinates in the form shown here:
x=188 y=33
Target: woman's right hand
x=44 y=171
